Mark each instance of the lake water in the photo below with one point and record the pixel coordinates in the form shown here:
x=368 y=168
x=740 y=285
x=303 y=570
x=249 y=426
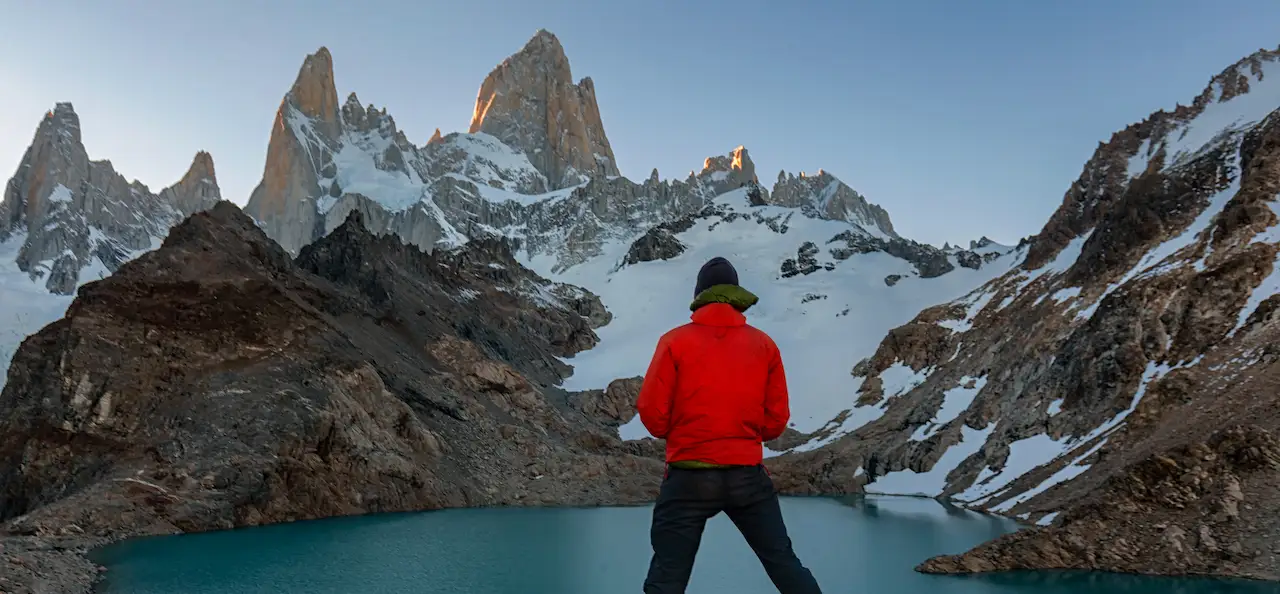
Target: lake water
x=855 y=545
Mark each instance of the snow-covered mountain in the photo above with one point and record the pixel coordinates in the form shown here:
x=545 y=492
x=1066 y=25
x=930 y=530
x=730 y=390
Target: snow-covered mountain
x=66 y=220
x=833 y=274
x=1120 y=376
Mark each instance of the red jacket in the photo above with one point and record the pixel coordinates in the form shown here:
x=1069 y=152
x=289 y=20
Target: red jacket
x=715 y=389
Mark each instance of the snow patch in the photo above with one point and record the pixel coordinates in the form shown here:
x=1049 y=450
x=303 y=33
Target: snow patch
x=1068 y=472
x=954 y=402
x=933 y=481
x=1185 y=142
x=60 y=193
x=975 y=305
x=1138 y=162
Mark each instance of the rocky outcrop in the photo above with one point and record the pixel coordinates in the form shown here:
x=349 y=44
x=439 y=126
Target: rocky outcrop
x=829 y=198
x=613 y=406
x=1201 y=509
x=72 y=213
x=531 y=103
x=215 y=383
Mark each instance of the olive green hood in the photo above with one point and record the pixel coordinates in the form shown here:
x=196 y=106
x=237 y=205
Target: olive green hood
x=740 y=298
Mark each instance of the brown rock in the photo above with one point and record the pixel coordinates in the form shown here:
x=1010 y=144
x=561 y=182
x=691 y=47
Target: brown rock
x=531 y=103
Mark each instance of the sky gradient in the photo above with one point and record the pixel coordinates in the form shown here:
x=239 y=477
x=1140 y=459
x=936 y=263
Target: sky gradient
x=960 y=118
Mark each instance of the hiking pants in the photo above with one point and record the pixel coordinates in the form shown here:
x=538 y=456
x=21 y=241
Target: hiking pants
x=690 y=497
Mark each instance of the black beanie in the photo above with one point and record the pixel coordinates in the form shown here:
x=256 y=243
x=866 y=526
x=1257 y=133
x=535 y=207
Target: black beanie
x=717 y=271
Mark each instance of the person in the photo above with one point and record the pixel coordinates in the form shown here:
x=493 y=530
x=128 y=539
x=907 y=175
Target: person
x=716 y=390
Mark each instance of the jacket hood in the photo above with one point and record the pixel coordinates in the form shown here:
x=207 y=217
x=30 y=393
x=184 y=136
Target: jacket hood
x=740 y=298
x=722 y=305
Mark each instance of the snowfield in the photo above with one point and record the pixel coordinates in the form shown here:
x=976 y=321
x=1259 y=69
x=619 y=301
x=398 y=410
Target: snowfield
x=823 y=322
x=27 y=305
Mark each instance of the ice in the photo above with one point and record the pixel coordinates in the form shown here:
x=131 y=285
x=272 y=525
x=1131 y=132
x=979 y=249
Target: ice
x=357 y=174
x=498 y=195
x=1047 y=519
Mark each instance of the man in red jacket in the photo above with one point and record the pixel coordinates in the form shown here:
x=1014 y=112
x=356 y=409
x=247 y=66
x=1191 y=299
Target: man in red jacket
x=716 y=390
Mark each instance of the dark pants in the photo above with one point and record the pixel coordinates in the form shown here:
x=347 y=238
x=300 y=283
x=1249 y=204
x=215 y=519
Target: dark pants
x=746 y=494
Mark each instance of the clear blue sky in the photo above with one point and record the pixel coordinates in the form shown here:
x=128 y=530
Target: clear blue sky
x=960 y=118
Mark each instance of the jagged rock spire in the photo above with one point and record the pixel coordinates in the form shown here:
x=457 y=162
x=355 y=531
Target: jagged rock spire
x=531 y=103
x=314 y=93
x=75 y=211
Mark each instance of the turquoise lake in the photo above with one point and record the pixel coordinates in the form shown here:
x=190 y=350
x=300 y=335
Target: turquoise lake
x=855 y=545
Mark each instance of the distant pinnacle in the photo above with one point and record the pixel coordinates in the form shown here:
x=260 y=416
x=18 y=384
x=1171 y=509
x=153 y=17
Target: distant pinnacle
x=63 y=119
x=314 y=93
x=202 y=166
x=436 y=138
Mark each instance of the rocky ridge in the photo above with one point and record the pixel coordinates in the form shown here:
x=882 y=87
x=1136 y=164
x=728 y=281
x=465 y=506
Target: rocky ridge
x=535 y=166
x=1118 y=384
x=75 y=216
x=362 y=376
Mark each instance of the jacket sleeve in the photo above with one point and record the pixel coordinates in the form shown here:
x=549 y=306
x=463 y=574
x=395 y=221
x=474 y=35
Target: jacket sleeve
x=777 y=408
x=657 y=391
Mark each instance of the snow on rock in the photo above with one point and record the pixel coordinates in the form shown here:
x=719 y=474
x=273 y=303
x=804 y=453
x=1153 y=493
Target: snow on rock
x=28 y=305
x=1220 y=115
x=1075 y=468
x=1047 y=519
x=822 y=321
x=934 y=480
x=954 y=402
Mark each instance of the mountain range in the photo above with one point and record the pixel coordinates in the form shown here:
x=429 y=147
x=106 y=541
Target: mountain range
x=481 y=306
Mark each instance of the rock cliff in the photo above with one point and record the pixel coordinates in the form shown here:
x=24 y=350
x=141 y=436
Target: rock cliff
x=77 y=217
x=531 y=103
x=1118 y=383
x=536 y=166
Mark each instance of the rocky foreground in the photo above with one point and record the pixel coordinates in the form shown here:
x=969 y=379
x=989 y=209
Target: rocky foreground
x=214 y=383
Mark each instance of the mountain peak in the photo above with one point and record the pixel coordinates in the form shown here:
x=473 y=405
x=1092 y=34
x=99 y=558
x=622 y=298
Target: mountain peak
x=64 y=120
x=314 y=93
x=201 y=167
x=737 y=165
x=544 y=43
x=831 y=199
x=531 y=103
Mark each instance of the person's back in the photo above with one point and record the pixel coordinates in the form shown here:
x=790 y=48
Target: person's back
x=716 y=390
